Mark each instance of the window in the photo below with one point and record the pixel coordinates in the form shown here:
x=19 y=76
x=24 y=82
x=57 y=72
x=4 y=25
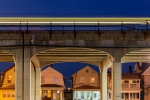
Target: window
x=95 y=95
x=88 y=96
x=82 y=95
x=92 y=80
x=8 y=94
x=9 y=79
x=87 y=71
x=81 y=80
x=55 y=80
x=4 y=94
x=44 y=93
x=109 y=95
x=136 y=95
x=126 y=81
x=42 y=79
x=12 y=94
x=76 y=94
x=136 y=81
x=122 y=95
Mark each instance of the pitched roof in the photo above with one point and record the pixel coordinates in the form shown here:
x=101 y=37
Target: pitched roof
x=5 y=72
x=9 y=87
x=87 y=87
x=83 y=68
x=50 y=85
x=50 y=67
x=127 y=76
x=144 y=67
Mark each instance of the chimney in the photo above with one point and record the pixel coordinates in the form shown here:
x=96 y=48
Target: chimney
x=130 y=69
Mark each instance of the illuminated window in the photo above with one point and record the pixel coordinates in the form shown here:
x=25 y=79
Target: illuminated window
x=44 y=93
x=4 y=94
x=9 y=79
x=92 y=80
x=82 y=80
x=55 y=80
x=42 y=79
x=12 y=94
x=8 y=94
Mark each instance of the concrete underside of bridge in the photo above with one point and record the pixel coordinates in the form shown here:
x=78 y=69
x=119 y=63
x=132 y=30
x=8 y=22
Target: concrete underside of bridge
x=29 y=63
x=31 y=50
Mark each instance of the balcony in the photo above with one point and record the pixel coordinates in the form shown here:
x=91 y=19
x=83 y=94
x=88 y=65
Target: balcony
x=130 y=85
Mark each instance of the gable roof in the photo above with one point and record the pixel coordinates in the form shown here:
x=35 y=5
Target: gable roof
x=5 y=73
x=87 y=87
x=82 y=69
x=144 y=67
x=127 y=76
x=8 y=87
x=49 y=67
x=50 y=85
x=146 y=71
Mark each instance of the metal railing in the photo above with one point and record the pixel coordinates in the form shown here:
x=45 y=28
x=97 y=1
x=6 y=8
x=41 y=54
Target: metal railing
x=130 y=85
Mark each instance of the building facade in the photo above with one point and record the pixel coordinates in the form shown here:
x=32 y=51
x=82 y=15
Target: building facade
x=143 y=70
x=7 y=88
x=130 y=86
x=52 y=84
x=85 y=84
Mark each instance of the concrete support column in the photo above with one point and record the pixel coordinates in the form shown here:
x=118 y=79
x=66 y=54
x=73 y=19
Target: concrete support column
x=27 y=74
x=116 y=80
x=104 y=84
x=38 y=83
x=18 y=75
x=32 y=83
x=23 y=74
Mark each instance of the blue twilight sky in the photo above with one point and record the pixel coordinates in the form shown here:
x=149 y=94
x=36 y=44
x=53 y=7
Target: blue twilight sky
x=73 y=8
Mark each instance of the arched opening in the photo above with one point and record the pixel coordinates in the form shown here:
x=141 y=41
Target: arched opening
x=7 y=75
x=72 y=69
x=138 y=74
x=99 y=58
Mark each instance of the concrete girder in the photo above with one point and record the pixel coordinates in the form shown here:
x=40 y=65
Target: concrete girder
x=6 y=58
x=66 y=59
x=68 y=54
x=44 y=63
x=125 y=60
